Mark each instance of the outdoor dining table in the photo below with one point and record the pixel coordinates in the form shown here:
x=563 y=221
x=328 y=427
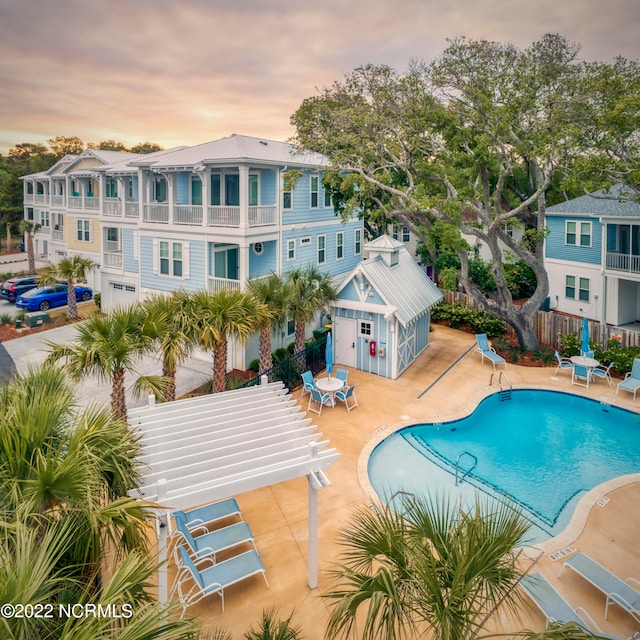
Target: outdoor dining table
x=589 y=363
x=330 y=385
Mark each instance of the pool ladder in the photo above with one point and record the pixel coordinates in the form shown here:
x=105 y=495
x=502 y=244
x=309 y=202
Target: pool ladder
x=505 y=393
x=469 y=470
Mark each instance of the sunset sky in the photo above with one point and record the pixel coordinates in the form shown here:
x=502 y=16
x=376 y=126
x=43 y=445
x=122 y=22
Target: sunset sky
x=181 y=72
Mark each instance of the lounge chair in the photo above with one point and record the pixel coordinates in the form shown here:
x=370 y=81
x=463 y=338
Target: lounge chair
x=214 y=579
x=580 y=375
x=554 y=607
x=309 y=382
x=344 y=395
x=487 y=351
x=618 y=591
x=631 y=382
x=212 y=542
x=342 y=374
x=563 y=363
x=318 y=398
x=603 y=372
x=202 y=516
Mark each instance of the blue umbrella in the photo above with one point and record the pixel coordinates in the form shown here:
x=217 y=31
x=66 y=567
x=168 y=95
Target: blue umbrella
x=585 y=336
x=328 y=356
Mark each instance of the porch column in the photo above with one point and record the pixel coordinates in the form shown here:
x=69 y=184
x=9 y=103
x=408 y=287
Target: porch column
x=205 y=179
x=244 y=196
x=243 y=263
x=162 y=528
x=170 y=178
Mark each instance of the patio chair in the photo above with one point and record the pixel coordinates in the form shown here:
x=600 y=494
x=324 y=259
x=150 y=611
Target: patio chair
x=617 y=591
x=342 y=374
x=563 y=363
x=554 y=607
x=631 y=382
x=200 y=517
x=214 y=541
x=580 y=376
x=318 y=398
x=309 y=383
x=587 y=354
x=215 y=578
x=487 y=351
x=345 y=393
x=603 y=372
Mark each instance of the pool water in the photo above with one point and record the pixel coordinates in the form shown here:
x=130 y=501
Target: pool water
x=542 y=450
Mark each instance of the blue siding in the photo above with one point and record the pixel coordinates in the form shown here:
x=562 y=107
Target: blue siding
x=267 y=187
x=197 y=267
x=266 y=262
x=183 y=195
x=129 y=263
x=556 y=247
x=302 y=211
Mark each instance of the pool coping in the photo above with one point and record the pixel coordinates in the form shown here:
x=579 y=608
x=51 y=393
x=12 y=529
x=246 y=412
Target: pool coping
x=578 y=520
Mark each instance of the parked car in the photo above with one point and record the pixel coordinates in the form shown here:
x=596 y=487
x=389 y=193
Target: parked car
x=13 y=287
x=44 y=298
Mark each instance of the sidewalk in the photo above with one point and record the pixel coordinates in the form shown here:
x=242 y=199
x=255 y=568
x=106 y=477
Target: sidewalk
x=18 y=262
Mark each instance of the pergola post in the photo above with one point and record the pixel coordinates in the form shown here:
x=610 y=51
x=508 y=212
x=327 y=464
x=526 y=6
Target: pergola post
x=163 y=527
x=313 y=533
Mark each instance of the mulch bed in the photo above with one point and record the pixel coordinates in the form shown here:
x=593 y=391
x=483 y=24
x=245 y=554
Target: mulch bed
x=9 y=331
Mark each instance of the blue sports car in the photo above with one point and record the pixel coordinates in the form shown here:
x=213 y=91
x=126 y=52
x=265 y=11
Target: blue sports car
x=44 y=298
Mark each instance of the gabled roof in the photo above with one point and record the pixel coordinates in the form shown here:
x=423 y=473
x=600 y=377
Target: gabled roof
x=235 y=149
x=405 y=287
x=604 y=204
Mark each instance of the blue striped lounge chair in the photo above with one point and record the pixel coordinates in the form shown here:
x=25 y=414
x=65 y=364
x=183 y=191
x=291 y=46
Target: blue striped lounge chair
x=631 y=382
x=487 y=351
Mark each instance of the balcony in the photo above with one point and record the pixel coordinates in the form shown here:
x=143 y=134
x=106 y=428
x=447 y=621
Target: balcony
x=156 y=213
x=57 y=201
x=112 y=207
x=91 y=202
x=113 y=260
x=187 y=214
x=223 y=217
x=75 y=202
x=262 y=216
x=218 y=284
x=623 y=262
x=131 y=209
x=57 y=234
x=41 y=198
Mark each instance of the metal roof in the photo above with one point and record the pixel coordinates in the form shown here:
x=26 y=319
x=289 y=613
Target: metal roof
x=604 y=204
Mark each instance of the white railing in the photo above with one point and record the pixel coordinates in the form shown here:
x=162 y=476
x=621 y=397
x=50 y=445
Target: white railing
x=112 y=260
x=75 y=202
x=217 y=284
x=29 y=197
x=623 y=262
x=57 y=234
x=132 y=209
x=156 y=213
x=91 y=202
x=260 y=216
x=187 y=214
x=42 y=198
x=223 y=216
x=112 y=207
x=57 y=201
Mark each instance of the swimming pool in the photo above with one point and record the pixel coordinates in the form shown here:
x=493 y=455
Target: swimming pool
x=542 y=450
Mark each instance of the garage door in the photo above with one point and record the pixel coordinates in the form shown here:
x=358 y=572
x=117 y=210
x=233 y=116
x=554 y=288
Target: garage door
x=121 y=295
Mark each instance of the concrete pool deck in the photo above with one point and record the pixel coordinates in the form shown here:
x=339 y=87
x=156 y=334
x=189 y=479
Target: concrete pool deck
x=606 y=524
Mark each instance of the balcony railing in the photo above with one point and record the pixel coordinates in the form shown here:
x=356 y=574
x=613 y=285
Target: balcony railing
x=42 y=198
x=91 y=202
x=57 y=234
x=187 y=214
x=75 y=202
x=217 y=284
x=29 y=198
x=261 y=216
x=112 y=260
x=223 y=217
x=132 y=209
x=156 y=213
x=57 y=201
x=623 y=262
x=112 y=207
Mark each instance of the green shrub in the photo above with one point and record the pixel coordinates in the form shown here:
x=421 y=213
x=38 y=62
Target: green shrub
x=520 y=278
x=570 y=344
x=6 y=318
x=97 y=298
x=234 y=382
x=622 y=357
x=545 y=355
x=280 y=354
x=462 y=315
x=291 y=347
x=255 y=365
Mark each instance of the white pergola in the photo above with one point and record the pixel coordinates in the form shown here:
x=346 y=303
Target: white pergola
x=211 y=447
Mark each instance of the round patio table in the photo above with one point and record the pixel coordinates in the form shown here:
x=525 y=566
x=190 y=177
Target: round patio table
x=330 y=385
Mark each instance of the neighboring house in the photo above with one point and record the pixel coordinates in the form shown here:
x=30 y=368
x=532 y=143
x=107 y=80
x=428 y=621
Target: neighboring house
x=381 y=320
x=203 y=217
x=592 y=257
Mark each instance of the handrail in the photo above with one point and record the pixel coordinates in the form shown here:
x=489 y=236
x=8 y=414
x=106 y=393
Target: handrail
x=499 y=379
x=469 y=470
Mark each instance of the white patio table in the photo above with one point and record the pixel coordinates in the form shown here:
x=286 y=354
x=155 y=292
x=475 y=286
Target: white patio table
x=589 y=363
x=330 y=385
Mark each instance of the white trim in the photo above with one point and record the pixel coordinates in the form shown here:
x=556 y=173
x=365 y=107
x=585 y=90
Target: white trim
x=292 y=242
x=367 y=307
x=156 y=255
x=324 y=248
x=341 y=235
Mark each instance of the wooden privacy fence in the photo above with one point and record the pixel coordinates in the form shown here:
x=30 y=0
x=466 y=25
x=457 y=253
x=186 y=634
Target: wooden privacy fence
x=548 y=324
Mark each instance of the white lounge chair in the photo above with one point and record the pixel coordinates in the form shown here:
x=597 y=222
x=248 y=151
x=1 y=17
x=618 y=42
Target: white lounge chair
x=603 y=372
x=554 y=607
x=631 y=382
x=487 y=351
x=215 y=578
x=617 y=591
x=563 y=364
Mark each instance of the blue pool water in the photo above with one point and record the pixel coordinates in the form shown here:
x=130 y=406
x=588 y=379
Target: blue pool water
x=542 y=450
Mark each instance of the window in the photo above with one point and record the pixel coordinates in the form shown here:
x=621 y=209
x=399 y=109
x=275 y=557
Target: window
x=327 y=196
x=112 y=234
x=291 y=249
x=305 y=240
x=406 y=234
x=339 y=245
x=291 y=327
x=394 y=233
x=583 y=292
x=578 y=233
x=322 y=245
x=357 y=245
x=287 y=200
x=232 y=190
x=365 y=329
x=258 y=248
x=111 y=188
x=159 y=190
x=44 y=218
x=130 y=190
x=253 y=190
x=315 y=182
x=196 y=190
x=215 y=189
x=171 y=258
x=83 y=230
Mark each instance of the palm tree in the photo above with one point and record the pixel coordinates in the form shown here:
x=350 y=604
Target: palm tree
x=273 y=292
x=72 y=270
x=108 y=346
x=168 y=326
x=311 y=291
x=216 y=317
x=29 y=229
x=435 y=568
x=7 y=221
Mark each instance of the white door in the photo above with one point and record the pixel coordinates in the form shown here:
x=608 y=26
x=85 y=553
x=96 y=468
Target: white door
x=344 y=336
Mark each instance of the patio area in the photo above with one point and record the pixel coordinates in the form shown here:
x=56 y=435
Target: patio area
x=446 y=382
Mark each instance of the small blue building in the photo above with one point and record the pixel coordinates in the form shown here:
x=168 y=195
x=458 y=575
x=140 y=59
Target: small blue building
x=382 y=318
